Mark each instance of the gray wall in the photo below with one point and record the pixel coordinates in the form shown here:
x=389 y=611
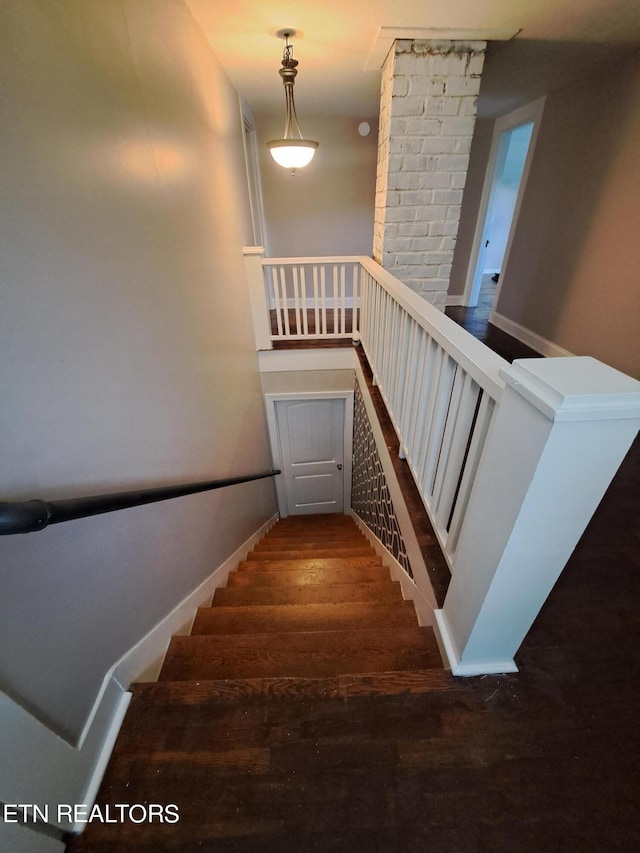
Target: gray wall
x=327 y=208
x=572 y=275
x=573 y=271
x=127 y=353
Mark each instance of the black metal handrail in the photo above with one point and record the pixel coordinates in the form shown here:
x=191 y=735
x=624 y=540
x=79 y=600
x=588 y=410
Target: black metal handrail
x=29 y=516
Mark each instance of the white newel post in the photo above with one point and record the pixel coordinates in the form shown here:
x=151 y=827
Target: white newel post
x=562 y=429
x=253 y=256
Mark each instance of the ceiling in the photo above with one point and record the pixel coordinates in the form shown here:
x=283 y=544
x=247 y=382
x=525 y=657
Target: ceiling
x=338 y=39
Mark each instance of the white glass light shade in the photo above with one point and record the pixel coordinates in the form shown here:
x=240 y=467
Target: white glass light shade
x=292 y=153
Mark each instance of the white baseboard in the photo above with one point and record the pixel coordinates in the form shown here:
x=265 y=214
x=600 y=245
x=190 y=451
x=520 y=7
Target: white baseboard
x=447 y=646
x=526 y=336
x=410 y=592
x=151 y=649
x=455 y=300
x=103 y=753
x=41 y=768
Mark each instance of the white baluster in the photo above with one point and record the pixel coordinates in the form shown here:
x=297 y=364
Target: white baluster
x=284 y=300
x=323 y=297
x=480 y=429
x=316 y=305
x=456 y=439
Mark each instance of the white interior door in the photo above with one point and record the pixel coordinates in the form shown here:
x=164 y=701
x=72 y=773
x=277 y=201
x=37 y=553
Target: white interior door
x=311 y=434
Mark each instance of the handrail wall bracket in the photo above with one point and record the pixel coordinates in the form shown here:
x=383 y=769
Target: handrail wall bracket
x=24 y=516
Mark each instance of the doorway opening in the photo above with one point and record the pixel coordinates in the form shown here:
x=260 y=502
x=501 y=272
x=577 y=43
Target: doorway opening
x=508 y=167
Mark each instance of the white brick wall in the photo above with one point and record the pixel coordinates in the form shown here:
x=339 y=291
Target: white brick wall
x=427 y=116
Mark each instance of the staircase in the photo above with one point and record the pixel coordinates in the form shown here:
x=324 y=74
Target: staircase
x=259 y=714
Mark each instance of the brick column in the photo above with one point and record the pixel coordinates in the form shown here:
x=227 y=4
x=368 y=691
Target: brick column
x=427 y=116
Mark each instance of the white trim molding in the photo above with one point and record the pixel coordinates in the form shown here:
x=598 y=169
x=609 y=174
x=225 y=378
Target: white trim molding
x=457 y=299
x=531 y=112
x=452 y=658
x=387 y=35
x=148 y=654
x=526 y=336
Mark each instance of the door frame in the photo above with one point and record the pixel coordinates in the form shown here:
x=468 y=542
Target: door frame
x=274 y=438
x=254 y=177
x=531 y=112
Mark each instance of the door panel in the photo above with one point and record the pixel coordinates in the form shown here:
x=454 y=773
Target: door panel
x=311 y=435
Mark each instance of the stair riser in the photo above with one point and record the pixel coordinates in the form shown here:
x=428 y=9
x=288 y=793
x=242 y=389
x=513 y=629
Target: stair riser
x=318 y=553
x=311 y=563
x=299 y=664
x=387 y=591
x=150 y=698
x=300 y=618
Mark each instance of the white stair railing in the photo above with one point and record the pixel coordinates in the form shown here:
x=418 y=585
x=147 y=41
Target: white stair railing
x=511 y=461
x=440 y=386
x=312 y=298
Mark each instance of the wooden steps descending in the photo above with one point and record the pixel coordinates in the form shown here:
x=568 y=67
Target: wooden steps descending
x=312 y=611
x=309 y=631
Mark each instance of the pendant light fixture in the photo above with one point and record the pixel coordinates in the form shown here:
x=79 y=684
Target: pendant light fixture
x=293 y=151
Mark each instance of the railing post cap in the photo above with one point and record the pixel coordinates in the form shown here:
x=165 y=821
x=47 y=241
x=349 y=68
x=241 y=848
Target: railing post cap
x=579 y=388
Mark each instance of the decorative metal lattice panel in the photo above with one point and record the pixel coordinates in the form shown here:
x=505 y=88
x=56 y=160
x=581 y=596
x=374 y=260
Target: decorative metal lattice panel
x=370 y=498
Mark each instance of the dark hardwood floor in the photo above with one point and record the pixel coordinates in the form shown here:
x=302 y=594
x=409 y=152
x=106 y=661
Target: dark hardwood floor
x=476 y=321
x=541 y=761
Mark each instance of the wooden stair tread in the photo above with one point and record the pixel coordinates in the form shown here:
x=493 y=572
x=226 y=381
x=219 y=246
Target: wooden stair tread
x=297 y=617
x=161 y=712
x=305 y=654
x=306 y=577
x=319 y=594
x=289 y=681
